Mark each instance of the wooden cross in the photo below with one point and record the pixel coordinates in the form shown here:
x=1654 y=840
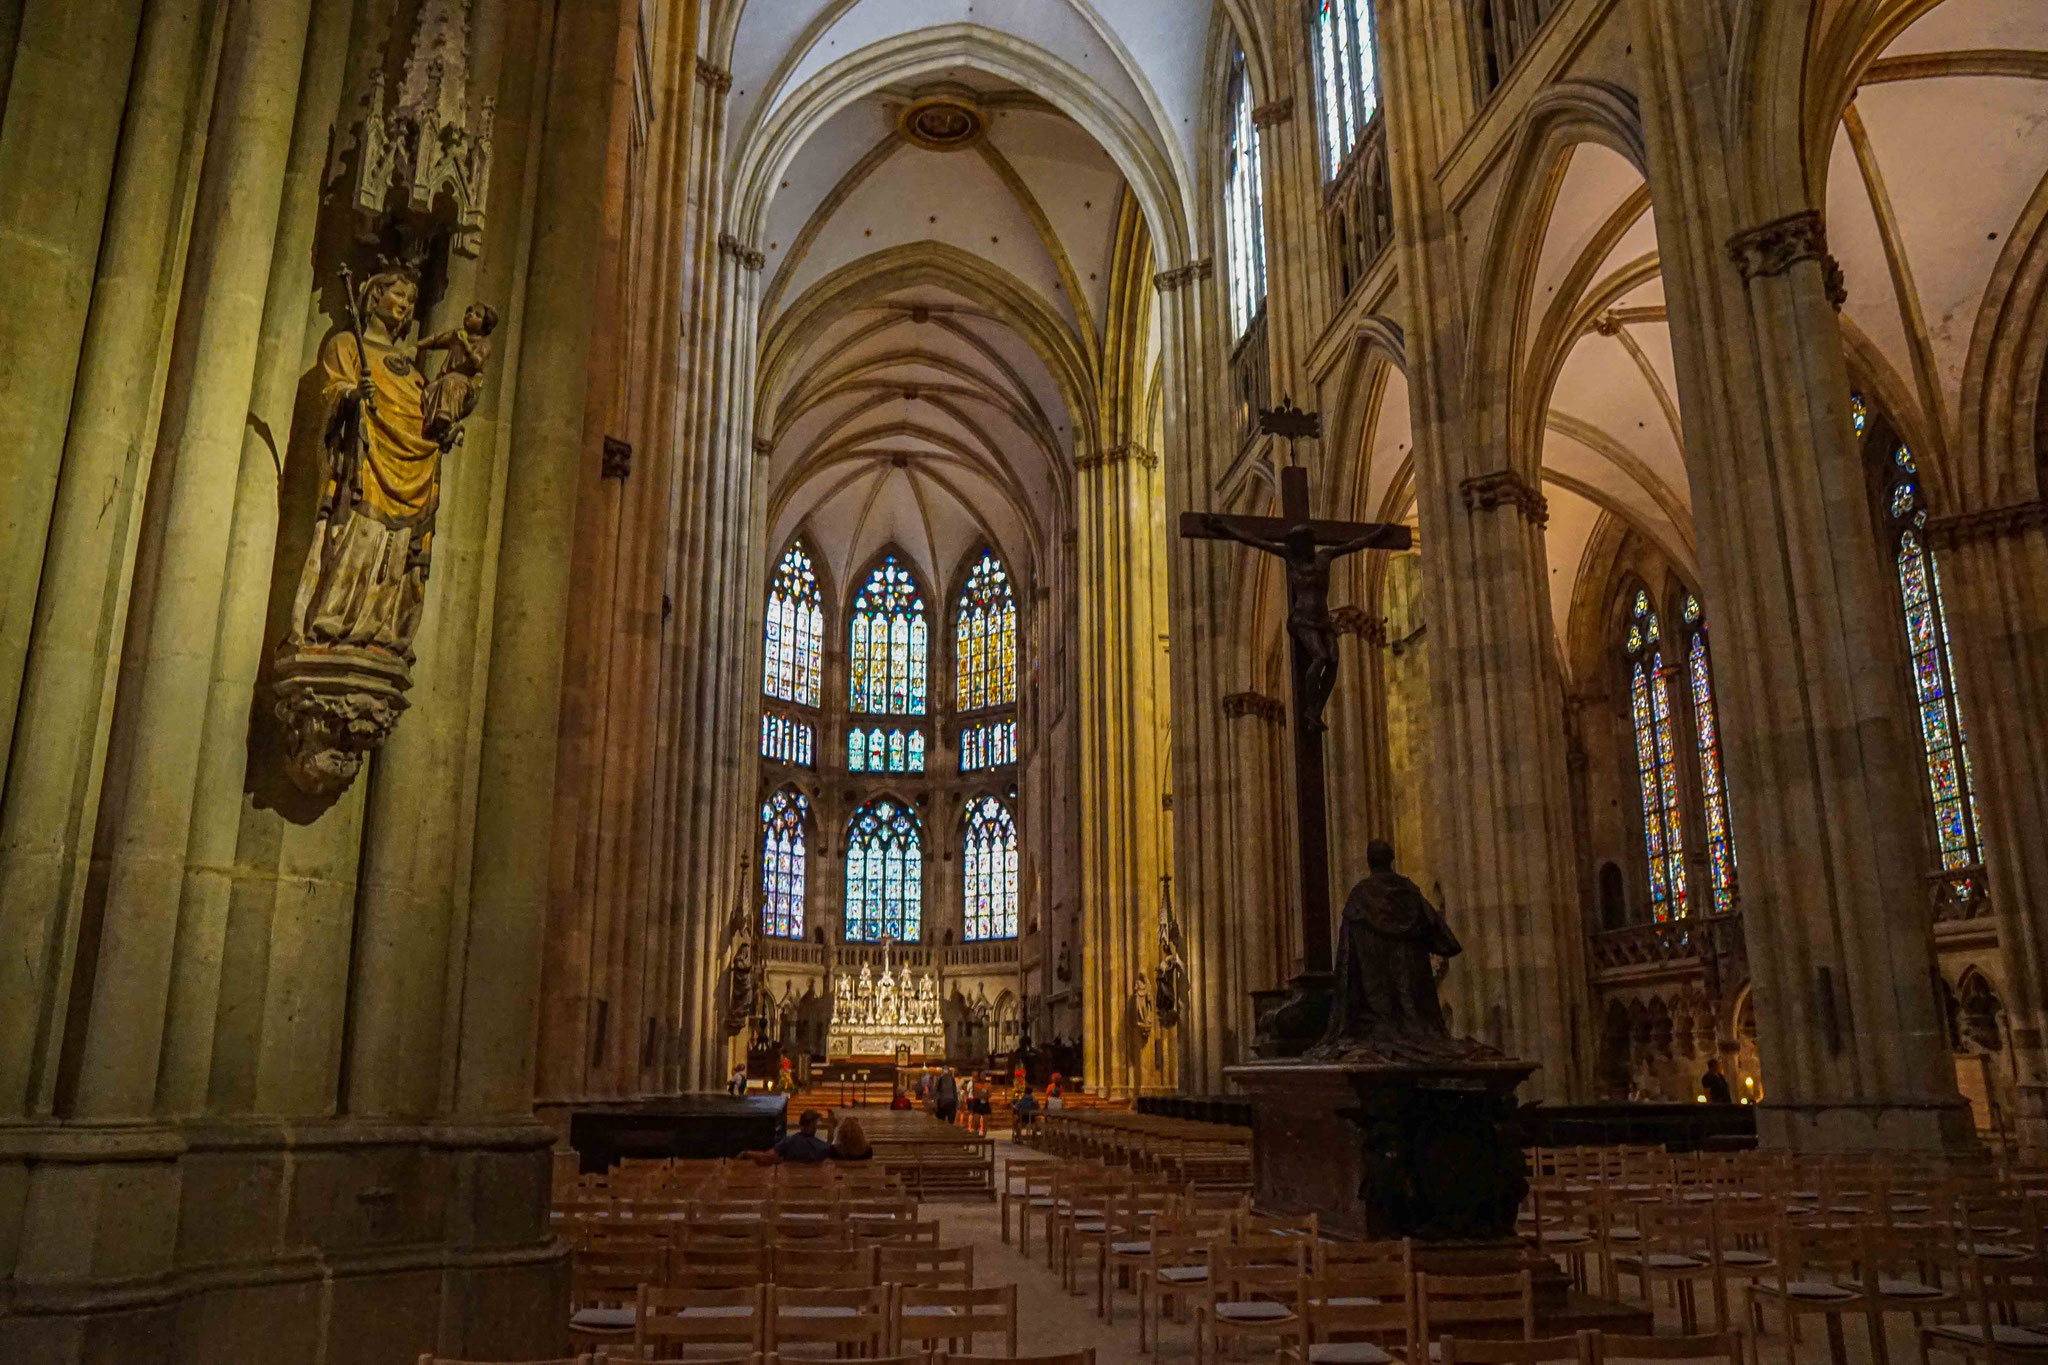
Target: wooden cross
x=1309 y=548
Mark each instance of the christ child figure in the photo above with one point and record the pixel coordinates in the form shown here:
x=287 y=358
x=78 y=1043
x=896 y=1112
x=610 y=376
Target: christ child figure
x=452 y=395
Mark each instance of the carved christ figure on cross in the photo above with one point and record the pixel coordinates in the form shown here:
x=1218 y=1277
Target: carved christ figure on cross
x=1310 y=549
x=1309 y=623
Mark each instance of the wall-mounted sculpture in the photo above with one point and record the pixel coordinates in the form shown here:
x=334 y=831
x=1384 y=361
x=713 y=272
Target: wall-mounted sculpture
x=345 y=663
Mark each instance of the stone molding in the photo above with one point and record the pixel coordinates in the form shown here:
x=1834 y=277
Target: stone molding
x=1181 y=276
x=1775 y=247
x=713 y=78
x=1238 y=705
x=1506 y=488
x=1357 y=621
x=763 y=447
x=1116 y=455
x=1993 y=523
x=747 y=256
x=1272 y=112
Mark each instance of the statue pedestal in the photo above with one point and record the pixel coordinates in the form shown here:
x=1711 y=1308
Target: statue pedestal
x=1380 y=1151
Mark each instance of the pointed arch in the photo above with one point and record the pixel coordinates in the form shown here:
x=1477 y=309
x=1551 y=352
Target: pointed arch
x=888 y=629
x=1648 y=680
x=793 y=656
x=784 y=865
x=1713 y=778
x=884 y=873
x=985 y=635
x=989 y=860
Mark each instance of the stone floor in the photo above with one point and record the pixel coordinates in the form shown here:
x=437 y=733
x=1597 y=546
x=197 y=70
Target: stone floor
x=1052 y=1321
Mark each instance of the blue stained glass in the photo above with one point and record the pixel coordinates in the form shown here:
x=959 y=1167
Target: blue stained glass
x=1903 y=458
x=990 y=882
x=1902 y=499
x=1941 y=773
x=1657 y=766
x=1920 y=631
x=917 y=751
x=1713 y=794
x=887 y=639
x=1934 y=725
x=782 y=864
x=791 y=662
x=1859 y=412
x=884 y=878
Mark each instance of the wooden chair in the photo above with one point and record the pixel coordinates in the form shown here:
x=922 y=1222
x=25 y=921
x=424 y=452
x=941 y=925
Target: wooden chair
x=912 y=1234
x=956 y=1315
x=1254 y=1292
x=686 y=1318
x=429 y=1358
x=1128 y=1248
x=1577 y=1349
x=1177 y=1269
x=1996 y=1331
x=1677 y=1249
x=1337 y=1258
x=1024 y=1179
x=717 y=1263
x=1359 y=1315
x=800 y=1267
x=1078 y=1197
x=1460 y=1300
x=1817 y=1276
x=929 y=1267
x=1722 y=1347
x=850 y=1320
x=1086 y=1357
x=1251 y=1225
x=604 y=1286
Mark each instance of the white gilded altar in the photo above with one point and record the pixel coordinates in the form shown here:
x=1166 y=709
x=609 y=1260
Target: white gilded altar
x=874 y=1014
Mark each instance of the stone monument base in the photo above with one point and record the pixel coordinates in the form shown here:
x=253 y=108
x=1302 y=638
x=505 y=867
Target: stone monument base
x=1380 y=1151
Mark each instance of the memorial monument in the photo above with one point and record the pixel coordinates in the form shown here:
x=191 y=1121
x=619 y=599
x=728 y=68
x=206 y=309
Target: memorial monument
x=1367 y=1112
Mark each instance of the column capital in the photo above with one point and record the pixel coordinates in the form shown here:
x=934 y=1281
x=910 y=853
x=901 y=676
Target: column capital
x=1357 y=621
x=748 y=257
x=1181 y=276
x=713 y=78
x=1272 y=112
x=1506 y=488
x=1115 y=455
x=1775 y=247
x=763 y=446
x=1993 y=523
x=1238 y=705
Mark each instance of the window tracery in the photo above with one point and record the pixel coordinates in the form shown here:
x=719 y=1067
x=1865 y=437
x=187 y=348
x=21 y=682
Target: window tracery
x=990 y=885
x=884 y=874
x=888 y=639
x=1699 y=668
x=1656 y=760
x=1347 y=78
x=1243 y=206
x=782 y=863
x=985 y=638
x=791 y=669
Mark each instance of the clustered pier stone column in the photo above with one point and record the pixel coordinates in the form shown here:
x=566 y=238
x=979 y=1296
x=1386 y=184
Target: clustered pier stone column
x=266 y=1083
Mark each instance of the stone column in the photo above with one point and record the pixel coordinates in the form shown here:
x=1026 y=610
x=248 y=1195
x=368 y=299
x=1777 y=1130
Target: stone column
x=51 y=790
x=1199 y=436
x=1360 y=780
x=182 y=566
x=60 y=126
x=554 y=461
x=1503 y=842
x=1122 y=735
x=1818 y=749
x=1994 y=569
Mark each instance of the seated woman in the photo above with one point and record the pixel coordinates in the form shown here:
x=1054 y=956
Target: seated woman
x=850 y=1141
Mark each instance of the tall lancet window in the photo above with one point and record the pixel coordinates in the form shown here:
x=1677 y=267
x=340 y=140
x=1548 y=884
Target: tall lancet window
x=887 y=643
x=1656 y=759
x=1951 y=783
x=990 y=883
x=1347 y=81
x=986 y=637
x=1699 y=672
x=782 y=863
x=884 y=874
x=791 y=668
x=1244 y=221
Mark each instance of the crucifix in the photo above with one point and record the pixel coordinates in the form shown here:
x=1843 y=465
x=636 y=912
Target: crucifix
x=1309 y=548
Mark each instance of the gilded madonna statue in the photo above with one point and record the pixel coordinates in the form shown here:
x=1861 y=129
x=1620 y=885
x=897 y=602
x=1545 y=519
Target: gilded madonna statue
x=345 y=662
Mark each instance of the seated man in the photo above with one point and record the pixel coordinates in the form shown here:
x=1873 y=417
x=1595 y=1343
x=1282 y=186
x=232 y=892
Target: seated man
x=1026 y=1111
x=804 y=1146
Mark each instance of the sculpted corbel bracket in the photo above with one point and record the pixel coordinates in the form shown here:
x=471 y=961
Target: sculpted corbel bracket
x=748 y=257
x=1180 y=277
x=1506 y=488
x=1993 y=523
x=1775 y=247
x=1238 y=705
x=1356 y=621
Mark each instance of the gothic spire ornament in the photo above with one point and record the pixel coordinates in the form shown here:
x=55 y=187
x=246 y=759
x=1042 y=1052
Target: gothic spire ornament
x=420 y=161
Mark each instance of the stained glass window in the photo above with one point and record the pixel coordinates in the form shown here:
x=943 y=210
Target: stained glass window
x=985 y=638
x=790 y=669
x=1348 y=87
x=991 y=744
x=884 y=874
x=785 y=739
x=1244 y=221
x=1951 y=781
x=888 y=643
x=884 y=751
x=1656 y=760
x=782 y=863
x=991 y=870
x=1699 y=670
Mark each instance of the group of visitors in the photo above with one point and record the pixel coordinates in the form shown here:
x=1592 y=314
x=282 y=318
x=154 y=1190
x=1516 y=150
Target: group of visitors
x=805 y=1147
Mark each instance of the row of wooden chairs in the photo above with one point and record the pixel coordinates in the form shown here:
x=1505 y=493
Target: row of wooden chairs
x=1580 y=1348
x=611 y=1271
x=877 y=1320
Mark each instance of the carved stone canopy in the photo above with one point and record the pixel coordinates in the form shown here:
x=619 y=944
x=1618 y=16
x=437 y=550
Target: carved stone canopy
x=422 y=161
